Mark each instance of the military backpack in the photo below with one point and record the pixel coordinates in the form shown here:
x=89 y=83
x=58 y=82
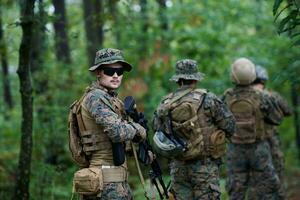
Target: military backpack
x=191 y=122
x=244 y=103
x=75 y=124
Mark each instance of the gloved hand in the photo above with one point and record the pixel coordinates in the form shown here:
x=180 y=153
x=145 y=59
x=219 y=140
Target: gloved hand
x=140 y=133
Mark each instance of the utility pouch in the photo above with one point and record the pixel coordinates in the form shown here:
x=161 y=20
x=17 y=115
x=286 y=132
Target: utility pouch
x=118 y=150
x=218 y=145
x=88 y=181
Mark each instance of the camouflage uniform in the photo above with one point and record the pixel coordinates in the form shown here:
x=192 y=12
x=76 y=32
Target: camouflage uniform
x=197 y=178
x=106 y=122
x=248 y=154
x=274 y=143
x=272 y=132
x=274 y=140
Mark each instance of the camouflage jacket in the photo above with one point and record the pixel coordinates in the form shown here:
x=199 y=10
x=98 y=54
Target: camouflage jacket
x=281 y=103
x=101 y=104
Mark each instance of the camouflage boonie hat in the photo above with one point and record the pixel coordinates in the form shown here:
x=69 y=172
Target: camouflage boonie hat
x=187 y=69
x=109 y=56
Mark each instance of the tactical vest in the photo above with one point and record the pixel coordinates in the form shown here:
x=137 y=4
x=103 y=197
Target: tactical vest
x=96 y=143
x=191 y=122
x=244 y=103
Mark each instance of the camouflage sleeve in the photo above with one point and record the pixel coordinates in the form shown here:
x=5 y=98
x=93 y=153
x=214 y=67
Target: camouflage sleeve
x=269 y=108
x=282 y=104
x=221 y=115
x=117 y=129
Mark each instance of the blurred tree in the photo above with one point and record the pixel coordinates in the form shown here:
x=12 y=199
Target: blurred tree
x=163 y=24
x=23 y=173
x=295 y=102
x=93 y=23
x=114 y=15
x=144 y=29
x=4 y=62
x=61 y=36
x=295 y=83
x=40 y=80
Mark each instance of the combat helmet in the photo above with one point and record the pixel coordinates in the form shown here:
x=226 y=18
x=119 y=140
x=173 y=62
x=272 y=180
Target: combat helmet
x=168 y=146
x=187 y=69
x=261 y=74
x=110 y=56
x=243 y=71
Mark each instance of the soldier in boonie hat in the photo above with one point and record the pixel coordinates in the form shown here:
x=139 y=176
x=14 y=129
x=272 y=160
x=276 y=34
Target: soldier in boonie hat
x=103 y=130
x=187 y=69
x=110 y=56
x=191 y=139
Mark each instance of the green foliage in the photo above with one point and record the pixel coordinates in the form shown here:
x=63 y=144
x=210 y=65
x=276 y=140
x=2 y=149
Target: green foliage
x=289 y=23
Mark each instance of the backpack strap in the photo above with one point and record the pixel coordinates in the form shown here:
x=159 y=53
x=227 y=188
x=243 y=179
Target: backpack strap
x=180 y=96
x=78 y=110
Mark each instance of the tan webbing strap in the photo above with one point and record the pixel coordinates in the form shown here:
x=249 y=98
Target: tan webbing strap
x=78 y=114
x=180 y=96
x=118 y=174
x=184 y=124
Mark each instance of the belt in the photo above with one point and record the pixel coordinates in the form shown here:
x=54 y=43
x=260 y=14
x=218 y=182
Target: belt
x=114 y=173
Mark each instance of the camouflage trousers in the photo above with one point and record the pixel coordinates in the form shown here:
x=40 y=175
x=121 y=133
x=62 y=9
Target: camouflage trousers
x=114 y=191
x=192 y=180
x=278 y=162
x=277 y=154
x=251 y=163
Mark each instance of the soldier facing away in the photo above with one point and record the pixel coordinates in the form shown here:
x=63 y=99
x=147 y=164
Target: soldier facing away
x=248 y=153
x=198 y=121
x=104 y=123
x=271 y=130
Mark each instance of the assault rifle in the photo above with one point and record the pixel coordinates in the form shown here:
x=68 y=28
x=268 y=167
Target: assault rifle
x=144 y=147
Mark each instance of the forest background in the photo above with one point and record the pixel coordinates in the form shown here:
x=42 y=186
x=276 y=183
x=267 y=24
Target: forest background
x=47 y=47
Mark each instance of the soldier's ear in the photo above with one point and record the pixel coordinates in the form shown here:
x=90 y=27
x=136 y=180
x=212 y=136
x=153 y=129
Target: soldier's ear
x=98 y=73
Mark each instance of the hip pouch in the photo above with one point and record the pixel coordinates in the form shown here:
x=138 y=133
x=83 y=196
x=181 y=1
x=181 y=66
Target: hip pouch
x=88 y=181
x=217 y=144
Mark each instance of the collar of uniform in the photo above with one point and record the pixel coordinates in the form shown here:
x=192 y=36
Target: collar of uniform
x=98 y=86
x=185 y=87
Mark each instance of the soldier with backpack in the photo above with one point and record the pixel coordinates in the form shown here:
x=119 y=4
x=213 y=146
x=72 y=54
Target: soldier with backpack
x=191 y=126
x=97 y=143
x=271 y=130
x=248 y=153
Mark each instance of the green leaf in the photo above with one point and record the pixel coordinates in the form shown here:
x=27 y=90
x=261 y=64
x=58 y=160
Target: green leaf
x=297 y=42
x=282 y=24
x=276 y=6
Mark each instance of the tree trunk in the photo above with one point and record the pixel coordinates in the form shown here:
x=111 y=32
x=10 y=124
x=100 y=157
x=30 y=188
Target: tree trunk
x=60 y=27
x=116 y=28
x=93 y=23
x=37 y=67
x=145 y=26
x=295 y=102
x=23 y=173
x=163 y=24
x=295 y=88
x=5 y=74
x=162 y=13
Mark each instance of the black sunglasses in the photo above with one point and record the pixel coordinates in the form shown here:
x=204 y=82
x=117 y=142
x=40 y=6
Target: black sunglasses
x=111 y=71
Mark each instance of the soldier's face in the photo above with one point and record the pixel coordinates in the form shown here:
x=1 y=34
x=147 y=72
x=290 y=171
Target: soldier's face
x=110 y=76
